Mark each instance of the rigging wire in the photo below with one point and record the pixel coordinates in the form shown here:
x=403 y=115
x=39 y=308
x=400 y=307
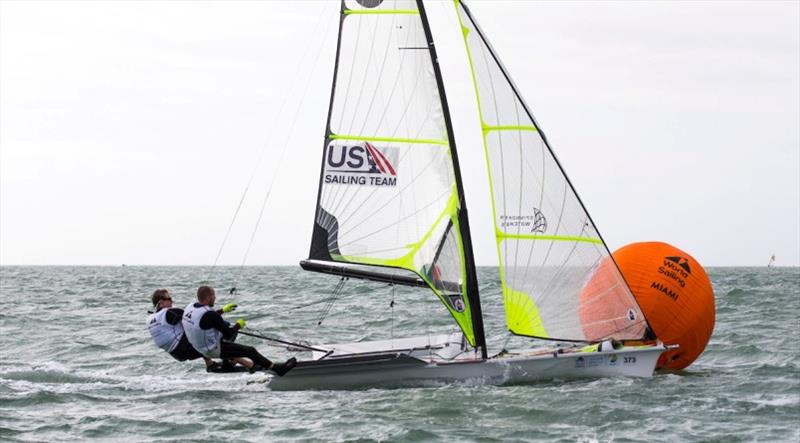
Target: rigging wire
x=391 y=306
x=292 y=346
x=255 y=169
x=306 y=305
x=337 y=291
x=283 y=149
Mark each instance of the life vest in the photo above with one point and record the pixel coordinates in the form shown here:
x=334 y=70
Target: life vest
x=165 y=335
x=204 y=340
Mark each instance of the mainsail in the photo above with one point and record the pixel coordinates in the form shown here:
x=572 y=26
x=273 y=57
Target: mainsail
x=390 y=195
x=559 y=280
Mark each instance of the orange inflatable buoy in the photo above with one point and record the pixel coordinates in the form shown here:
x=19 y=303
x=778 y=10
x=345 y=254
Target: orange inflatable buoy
x=675 y=295
x=673 y=291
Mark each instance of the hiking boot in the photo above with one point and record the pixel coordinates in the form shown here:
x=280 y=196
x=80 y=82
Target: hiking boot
x=228 y=365
x=255 y=368
x=282 y=368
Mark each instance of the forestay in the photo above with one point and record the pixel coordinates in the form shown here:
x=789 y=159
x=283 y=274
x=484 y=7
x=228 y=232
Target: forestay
x=548 y=247
x=389 y=194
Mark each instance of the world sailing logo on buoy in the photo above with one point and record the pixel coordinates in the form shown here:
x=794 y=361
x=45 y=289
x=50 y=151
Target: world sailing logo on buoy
x=676 y=268
x=362 y=164
x=680 y=261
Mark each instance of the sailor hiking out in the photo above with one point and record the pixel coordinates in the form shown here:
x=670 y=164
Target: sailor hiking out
x=166 y=330
x=214 y=337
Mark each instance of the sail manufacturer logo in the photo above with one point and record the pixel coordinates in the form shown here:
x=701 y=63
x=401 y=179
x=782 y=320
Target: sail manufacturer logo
x=539 y=222
x=363 y=164
x=536 y=223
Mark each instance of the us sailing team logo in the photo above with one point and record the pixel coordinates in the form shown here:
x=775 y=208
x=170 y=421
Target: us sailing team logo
x=362 y=164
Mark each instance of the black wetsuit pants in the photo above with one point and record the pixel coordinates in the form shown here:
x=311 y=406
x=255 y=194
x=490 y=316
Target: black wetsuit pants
x=234 y=350
x=184 y=351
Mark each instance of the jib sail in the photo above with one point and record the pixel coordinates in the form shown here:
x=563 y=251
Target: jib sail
x=557 y=275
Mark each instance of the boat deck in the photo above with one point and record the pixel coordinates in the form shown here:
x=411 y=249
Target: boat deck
x=423 y=361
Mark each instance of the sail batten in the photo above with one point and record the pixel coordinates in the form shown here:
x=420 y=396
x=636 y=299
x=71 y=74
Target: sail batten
x=547 y=244
x=489 y=128
x=566 y=238
x=374 y=138
x=382 y=11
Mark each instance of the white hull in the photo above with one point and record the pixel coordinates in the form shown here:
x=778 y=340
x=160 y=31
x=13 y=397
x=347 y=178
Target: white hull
x=392 y=369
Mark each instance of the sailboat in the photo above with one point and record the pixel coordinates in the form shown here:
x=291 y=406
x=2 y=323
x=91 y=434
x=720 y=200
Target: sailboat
x=391 y=209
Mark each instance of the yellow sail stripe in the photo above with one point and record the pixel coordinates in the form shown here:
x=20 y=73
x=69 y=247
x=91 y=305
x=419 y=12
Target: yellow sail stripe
x=487 y=128
x=503 y=236
x=381 y=11
x=420 y=141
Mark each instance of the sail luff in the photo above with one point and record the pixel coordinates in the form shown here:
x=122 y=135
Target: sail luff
x=317 y=250
x=463 y=220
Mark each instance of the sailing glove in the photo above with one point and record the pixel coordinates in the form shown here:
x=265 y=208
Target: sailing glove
x=229 y=307
x=240 y=323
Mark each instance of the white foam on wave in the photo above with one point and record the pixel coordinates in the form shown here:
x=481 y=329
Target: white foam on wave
x=762 y=401
x=59 y=378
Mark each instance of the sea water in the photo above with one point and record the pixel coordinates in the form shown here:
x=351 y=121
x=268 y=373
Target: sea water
x=78 y=364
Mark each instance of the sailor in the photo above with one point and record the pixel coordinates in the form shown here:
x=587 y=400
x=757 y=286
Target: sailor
x=213 y=337
x=166 y=330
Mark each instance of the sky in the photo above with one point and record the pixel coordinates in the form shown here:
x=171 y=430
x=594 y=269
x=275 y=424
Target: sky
x=129 y=131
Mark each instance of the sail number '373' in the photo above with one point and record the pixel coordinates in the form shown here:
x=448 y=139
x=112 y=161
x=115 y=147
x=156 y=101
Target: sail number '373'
x=361 y=164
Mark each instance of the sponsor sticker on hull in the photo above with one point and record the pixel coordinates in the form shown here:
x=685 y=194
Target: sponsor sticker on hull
x=590 y=361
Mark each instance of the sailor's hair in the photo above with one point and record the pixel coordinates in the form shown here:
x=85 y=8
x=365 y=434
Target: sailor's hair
x=159 y=294
x=204 y=293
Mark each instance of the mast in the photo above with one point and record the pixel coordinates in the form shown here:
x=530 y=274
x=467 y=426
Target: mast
x=463 y=220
